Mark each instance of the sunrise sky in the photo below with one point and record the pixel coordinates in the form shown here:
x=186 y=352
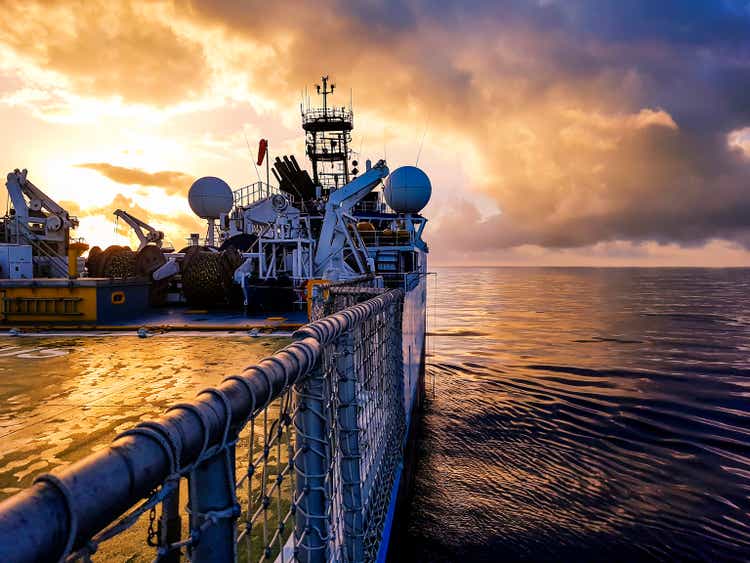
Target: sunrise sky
x=556 y=132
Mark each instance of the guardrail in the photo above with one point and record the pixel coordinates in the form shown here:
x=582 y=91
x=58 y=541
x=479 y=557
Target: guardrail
x=329 y=114
x=247 y=195
x=292 y=459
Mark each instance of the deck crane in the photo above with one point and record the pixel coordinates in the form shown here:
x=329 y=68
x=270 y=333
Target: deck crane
x=146 y=233
x=37 y=220
x=335 y=234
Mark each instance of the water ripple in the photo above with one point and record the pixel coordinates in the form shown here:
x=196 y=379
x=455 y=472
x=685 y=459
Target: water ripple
x=609 y=419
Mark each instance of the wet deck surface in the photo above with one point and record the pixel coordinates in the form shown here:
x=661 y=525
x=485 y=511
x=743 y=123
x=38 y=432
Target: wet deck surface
x=64 y=396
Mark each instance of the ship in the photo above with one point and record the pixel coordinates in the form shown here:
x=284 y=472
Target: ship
x=265 y=248
x=271 y=256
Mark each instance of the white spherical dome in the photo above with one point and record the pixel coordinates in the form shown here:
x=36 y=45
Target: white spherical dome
x=407 y=190
x=209 y=197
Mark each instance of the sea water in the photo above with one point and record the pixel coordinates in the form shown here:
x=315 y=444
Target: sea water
x=585 y=415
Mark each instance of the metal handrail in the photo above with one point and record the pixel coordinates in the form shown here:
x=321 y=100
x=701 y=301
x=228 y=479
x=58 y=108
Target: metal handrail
x=62 y=512
x=317 y=114
x=247 y=195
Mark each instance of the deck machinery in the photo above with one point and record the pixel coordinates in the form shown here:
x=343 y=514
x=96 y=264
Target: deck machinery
x=37 y=222
x=265 y=244
x=333 y=223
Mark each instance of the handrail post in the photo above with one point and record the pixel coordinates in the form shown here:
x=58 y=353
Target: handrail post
x=171 y=524
x=212 y=497
x=351 y=492
x=310 y=465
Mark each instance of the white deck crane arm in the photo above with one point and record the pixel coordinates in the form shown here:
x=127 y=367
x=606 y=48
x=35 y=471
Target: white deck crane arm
x=20 y=188
x=146 y=233
x=333 y=235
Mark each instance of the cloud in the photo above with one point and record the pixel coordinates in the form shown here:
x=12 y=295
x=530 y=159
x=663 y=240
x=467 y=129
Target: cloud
x=740 y=140
x=585 y=122
x=111 y=48
x=173 y=182
x=619 y=136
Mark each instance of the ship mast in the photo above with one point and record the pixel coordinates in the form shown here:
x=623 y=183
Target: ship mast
x=327 y=139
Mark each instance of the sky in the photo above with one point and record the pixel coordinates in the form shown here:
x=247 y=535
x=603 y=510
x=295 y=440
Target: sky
x=555 y=132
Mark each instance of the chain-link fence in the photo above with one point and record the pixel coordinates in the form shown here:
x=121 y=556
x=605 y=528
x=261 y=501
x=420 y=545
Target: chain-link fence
x=357 y=394
x=292 y=460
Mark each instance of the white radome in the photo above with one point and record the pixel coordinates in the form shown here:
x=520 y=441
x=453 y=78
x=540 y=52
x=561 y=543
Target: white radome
x=209 y=197
x=407 y=190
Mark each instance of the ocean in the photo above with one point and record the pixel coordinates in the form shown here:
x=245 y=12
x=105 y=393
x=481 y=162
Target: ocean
x=585 y=415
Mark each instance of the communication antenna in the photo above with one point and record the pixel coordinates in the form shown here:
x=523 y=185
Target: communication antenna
x=250 y=152
x=421 y=144
x=324 y=91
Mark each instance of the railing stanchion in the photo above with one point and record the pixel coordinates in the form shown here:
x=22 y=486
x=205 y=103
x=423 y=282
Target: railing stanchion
x=171 y=525
x=310 y=465
x=351 y=487
x=213 y=508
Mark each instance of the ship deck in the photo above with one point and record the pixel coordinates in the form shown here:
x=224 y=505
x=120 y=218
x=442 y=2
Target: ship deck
x=65 y=395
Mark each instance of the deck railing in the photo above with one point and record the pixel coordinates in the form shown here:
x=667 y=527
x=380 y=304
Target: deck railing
x=294 y=459
x=247 y=195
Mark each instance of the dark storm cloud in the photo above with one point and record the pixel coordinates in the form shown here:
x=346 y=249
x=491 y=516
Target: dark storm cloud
x=687 y=22
x=593 y=120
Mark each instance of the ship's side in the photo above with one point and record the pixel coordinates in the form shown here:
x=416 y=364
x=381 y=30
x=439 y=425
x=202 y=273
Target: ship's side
x=414 y=351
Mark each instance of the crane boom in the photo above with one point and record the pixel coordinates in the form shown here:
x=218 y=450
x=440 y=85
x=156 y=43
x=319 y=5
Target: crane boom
x=333 y=234
x=146 y=233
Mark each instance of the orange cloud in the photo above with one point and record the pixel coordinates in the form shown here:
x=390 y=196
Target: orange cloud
x=112 y=48
x=172 y=182
x=739 y=140
x=177 y=225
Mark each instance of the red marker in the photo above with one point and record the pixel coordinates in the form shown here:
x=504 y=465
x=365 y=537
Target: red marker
x=262 y=149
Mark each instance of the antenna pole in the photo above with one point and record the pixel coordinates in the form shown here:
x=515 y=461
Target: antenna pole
x=325 y=95
x=325 y=91
x=421 y=144
x=250 y=152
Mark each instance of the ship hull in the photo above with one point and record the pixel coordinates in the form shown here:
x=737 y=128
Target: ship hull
x=414 y=330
